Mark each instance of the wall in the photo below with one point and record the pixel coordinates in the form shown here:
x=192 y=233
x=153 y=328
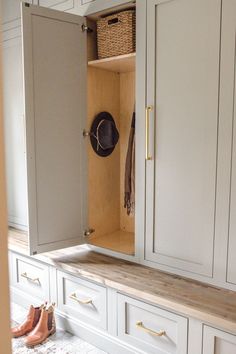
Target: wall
x=5 y=343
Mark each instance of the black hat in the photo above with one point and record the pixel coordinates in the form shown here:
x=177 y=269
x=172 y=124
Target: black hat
x=103 y=134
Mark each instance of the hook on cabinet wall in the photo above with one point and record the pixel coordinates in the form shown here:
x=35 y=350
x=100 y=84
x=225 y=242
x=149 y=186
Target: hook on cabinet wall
x=86 y=28
x=86 y=133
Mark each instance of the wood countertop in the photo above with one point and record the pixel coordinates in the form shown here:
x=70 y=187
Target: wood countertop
x=211 y=305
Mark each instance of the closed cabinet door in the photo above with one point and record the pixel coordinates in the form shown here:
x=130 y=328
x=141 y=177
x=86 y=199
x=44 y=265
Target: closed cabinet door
x=14 y=124
x=228 y=109
x=54 y=46
x=218 y=342
x=183 y=44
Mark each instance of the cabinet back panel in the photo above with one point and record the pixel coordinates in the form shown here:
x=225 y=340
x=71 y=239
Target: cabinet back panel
x=103 y=172
x=114 y=93
x=183 y=52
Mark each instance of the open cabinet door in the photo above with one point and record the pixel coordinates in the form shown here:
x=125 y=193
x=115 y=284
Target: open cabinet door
x=55 y=64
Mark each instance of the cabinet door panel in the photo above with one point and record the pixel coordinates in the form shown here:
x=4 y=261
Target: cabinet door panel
x=14 y=124
x=218 y=342
x=55 y=105
x=182 y=86
x=229 y=57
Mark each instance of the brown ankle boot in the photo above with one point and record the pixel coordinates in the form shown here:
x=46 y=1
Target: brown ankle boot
x=30 y=322
x=45 y=327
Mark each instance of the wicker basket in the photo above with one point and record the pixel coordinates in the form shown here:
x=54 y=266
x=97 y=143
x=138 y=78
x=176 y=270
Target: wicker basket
x=116 y=34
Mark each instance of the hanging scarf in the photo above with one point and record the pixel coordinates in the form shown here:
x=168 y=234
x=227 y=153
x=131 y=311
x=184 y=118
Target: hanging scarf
x=129 y=197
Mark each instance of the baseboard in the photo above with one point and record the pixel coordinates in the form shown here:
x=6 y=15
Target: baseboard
x=98 y=338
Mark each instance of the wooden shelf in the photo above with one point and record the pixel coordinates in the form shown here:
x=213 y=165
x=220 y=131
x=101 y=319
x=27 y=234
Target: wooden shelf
x=118 y=241
x=121 y=64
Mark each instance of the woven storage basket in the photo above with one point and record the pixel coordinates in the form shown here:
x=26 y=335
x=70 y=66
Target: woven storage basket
x=116 y=34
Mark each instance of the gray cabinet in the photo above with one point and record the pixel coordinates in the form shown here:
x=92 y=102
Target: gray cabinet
x=218 y=342
x=14 y=124
x=55 y=92
x=150 y=328
x=228 y=113
x=54 y=105
x=183 y=44
x=190 y=132
x=11 y=13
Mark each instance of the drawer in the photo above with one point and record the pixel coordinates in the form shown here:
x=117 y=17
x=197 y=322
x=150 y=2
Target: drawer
x=30 y=276
x=216 y=341
x=150 y=328
x=82 y=299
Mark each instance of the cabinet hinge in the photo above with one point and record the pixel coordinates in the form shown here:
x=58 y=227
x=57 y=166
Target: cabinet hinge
x=27 y=4
x=88 y=232
x=86 y=28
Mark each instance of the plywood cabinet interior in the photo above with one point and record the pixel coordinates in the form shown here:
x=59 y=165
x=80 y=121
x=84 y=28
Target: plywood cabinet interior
x=113 y=92
x=183 y=43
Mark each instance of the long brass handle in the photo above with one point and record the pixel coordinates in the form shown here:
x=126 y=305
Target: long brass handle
x=33 y=280
x=83 y=302
x=148 y=110
x=140 y=325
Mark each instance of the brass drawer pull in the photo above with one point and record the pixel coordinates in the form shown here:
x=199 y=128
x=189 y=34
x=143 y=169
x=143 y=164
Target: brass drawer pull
x=140 y=325
x=33 y=280
x=147 y=131
x=82 y=302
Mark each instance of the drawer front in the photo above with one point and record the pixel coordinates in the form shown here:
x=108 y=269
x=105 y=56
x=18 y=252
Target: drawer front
x=150 y=328
x=218 y=342
x=82 y=300
x=31 y=277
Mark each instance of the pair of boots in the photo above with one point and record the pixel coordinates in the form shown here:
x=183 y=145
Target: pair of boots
x=39 y=325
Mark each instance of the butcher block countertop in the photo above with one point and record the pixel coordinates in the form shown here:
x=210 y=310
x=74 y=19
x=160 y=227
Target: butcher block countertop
x=214 y=306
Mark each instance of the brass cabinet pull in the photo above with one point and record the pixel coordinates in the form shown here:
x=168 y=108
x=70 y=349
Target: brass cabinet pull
x=147 y=131
x=83 y=302
x=33 y=280
x=140 y=325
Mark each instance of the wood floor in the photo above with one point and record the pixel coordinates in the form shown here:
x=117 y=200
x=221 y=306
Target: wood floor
x=60 y=343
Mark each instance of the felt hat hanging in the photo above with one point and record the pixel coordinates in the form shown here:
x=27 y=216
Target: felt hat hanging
x=103 y=134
